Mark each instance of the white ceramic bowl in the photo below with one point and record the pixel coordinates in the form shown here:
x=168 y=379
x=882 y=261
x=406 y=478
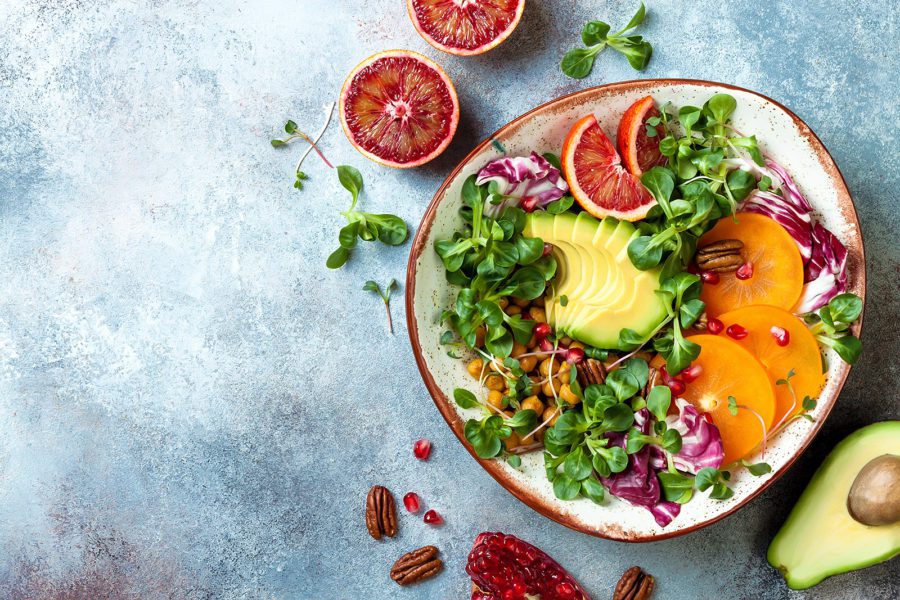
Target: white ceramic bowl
x=782 y=135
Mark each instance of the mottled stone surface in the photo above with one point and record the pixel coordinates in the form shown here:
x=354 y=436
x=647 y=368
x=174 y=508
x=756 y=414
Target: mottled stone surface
x=192 y=406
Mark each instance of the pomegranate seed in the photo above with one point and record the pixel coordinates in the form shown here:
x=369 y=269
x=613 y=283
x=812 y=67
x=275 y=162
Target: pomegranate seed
x=574 y=356
x=411 y=502
x=529 y=203
x=691 y=373
x=736 y=331
x=745 y=271
x=526 y=316
x=710 y=277
x=693 y=269
x=433 y=518
x=546 y=345
x=548 y=248
x=676 y=385
x=782 y=336
x=422 y=448
x=715 y=326
x=541 y=330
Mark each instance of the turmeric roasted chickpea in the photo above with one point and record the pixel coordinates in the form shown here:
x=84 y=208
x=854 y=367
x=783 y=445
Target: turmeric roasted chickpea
x=479 y=336
x=513 y=310
x=566 y=393
x=546 y=365
x=550 y=410
x=518 y=349
x=495 y=382
x=521 y=302
x=528 y=363
x=538 y=314
x=495 y=399
x=533 y=403
x=512 y=441
x=475 y=367
x=503 y=302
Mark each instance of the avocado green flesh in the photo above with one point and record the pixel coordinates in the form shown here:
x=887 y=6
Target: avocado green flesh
x=605 y=292
x=820 y=538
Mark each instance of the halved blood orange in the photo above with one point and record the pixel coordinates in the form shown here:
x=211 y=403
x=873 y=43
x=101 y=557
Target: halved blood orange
x=597 y=179
x=465 y=27
x=775 y=262
x=399 y=108
x=727 y=369
x=797 y=351
x=639 y=151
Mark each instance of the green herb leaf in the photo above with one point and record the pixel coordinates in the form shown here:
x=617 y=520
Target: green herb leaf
x=594 y=33
x=758 y=469
x=565 y=487
x=338 y=258
x=578 y=62
x=514 y=460
x=676 y=487
x=659 y=400
x=593 y=490
x=732 y=406
x=465 y=398
x=637 y=19
x=351 y=179
x=577 y=464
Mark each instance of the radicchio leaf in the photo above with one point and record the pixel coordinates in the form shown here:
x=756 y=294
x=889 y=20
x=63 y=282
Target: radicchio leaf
x=701 y=443
x=529 y=181
x=638 y=483
x=790 y=209
x=826 y=271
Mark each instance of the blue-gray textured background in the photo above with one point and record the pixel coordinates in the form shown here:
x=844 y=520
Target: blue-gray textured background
x=193 y=406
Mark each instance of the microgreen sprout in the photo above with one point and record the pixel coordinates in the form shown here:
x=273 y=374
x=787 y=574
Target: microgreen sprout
x=831 y=326
x=294 y=133
x=372 y=286
x=579 y=62
x=386 y=228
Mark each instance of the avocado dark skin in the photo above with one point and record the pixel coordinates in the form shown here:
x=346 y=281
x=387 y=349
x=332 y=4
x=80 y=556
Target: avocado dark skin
x=874 y=497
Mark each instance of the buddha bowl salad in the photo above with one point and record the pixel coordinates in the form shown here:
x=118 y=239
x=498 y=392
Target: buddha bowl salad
x=647 y=314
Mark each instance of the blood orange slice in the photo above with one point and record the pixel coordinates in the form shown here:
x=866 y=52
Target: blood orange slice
x=465 y=27
x=599 y=182
x=399 y=108
x=640 y=151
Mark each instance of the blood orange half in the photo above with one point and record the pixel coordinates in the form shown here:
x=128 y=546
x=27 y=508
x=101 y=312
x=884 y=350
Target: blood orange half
x=399 y=108
x=465 y=27
x=640 y=151
x=599 y=182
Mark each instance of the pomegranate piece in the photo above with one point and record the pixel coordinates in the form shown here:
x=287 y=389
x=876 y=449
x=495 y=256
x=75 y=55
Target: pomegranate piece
x=710 y=277
x=574 y=356
x=736 y=331
x=548 y=248
x=715 y=326
x=433 y=518
x=411 y=502
x=745 y=271
x=782 y=336
x=676 y=386
x=503 y=567
x=422 y=449
x=541 y=331
x=691 y=373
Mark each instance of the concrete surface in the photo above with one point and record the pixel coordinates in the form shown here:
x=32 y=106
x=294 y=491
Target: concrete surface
x=193 y=406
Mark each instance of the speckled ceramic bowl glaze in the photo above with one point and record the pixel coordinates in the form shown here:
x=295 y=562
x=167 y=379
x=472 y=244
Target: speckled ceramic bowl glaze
x=782 y=135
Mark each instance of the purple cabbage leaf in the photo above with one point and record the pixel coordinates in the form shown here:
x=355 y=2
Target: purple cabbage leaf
x=527 y=181
x=701 y=444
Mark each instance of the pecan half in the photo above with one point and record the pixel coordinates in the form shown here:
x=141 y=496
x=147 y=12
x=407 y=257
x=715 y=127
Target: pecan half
x=635 y=584
x=417 y=565
x=721 y=256
x=592 y=371
x=381 y=513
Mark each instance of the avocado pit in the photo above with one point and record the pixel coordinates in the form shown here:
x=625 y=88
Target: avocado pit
x=874 y=497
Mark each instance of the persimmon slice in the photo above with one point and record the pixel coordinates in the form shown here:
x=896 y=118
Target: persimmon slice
x=800 y=354
x=777 y=267
x=728 y=369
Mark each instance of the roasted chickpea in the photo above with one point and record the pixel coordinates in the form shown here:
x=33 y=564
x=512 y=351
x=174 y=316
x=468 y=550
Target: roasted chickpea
x=577 y=344
x=546 y=365
x=566 y=393
x=550 y=410
x=565 y=341
x=495 y=399
x=538 y=314
x=513 y=310
x=479 y=337
x=521 y=302
x=495 y=382
x=547 y=388
x=528 y=363
x=533 y=403
x=512 y=441
x=475 y=367
x=539 y=301
x=503 y=302
x=518 y=349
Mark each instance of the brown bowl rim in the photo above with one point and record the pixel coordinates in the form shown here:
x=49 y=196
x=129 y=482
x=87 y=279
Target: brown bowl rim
x=855 y=248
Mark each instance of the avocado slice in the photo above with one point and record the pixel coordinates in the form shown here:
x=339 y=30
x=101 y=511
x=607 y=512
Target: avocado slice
x=820 y=537
x=605 y=292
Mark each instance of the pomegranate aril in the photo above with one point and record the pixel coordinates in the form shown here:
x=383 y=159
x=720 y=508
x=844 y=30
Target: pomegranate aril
x=782 y=336
x=710 y=277
x=745 y=271
x=574 y=356
x=691 y=373
x=715 y=326
x=433 y=518
x=546 y=345
x=422 y=449
x=411 y=502
x=736 y=332
x=542 y=330
x=676 y=386
x=548 y=248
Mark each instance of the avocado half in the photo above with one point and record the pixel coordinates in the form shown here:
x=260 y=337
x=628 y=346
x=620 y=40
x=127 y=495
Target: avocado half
x=820 y=538
x=597 y=292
